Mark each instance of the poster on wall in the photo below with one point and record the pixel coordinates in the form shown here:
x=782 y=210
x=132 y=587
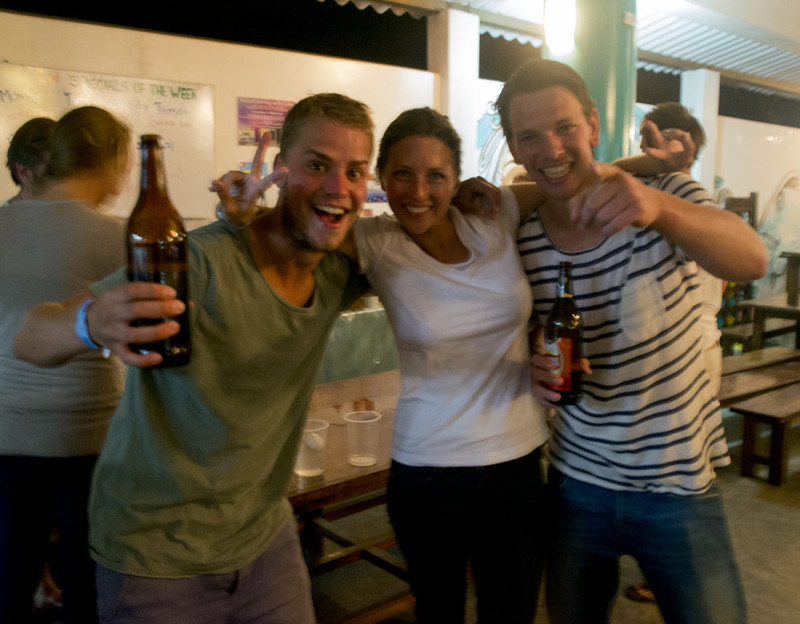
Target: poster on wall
x=257 y=116
x=182 y=113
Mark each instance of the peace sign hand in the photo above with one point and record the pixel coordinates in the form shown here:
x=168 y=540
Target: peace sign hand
x=238 y=191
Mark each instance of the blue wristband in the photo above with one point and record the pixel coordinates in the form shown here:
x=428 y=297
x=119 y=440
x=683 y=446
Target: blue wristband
x=81 y=328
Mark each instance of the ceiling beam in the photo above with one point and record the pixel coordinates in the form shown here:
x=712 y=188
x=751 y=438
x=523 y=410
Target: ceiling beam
x=789 y=89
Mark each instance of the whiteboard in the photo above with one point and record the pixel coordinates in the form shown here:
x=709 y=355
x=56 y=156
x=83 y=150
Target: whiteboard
x=182 y=113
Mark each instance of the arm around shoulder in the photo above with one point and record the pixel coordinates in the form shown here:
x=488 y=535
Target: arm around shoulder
x=529 y=198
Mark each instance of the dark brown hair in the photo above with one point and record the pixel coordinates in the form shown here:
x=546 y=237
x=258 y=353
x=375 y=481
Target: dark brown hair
x=30 y=147
x=420 y=122
x=536 y=75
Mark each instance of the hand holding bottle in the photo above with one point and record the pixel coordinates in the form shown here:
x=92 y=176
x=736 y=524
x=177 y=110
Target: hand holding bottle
x=557 y=362
x=111 y=316
x=545 y=372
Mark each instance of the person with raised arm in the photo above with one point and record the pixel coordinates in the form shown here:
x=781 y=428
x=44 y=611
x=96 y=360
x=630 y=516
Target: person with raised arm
x=632 y=464
x=189 y=516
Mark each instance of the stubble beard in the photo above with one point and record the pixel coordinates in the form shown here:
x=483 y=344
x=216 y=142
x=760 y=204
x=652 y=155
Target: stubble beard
x=298 y=232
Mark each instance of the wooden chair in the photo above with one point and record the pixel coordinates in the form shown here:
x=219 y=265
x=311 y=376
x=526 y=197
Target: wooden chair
x=745 y=207
x=740 y=331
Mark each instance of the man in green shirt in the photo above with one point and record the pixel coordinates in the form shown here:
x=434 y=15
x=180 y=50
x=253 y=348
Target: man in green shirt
x=189 y=518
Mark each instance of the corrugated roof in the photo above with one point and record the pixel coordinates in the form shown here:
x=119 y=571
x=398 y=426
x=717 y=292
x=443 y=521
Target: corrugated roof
x=667 y=40
x=672 y=43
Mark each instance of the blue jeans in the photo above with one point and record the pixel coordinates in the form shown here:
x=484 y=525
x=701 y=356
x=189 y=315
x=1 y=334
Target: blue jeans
x=488 y=517
x=273 y=589
x=35 y=492
x=681 y=543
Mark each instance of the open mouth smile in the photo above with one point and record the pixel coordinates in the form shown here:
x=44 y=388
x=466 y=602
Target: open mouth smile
x=331 y=215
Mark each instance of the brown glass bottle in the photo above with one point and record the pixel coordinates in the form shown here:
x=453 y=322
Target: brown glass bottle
x=157 y=249
x=563 y=336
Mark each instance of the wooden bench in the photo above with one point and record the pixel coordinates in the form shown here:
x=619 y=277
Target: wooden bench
x=743 y=332
x=764 y=386
x=758 y=359
x=778 y=409
x=749 y=383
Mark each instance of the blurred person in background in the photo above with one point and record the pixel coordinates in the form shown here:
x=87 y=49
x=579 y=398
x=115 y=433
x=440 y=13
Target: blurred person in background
x=27 y=157
x=54 y=242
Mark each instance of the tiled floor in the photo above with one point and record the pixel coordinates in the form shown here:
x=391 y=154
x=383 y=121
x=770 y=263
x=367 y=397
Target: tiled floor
x=764 y=521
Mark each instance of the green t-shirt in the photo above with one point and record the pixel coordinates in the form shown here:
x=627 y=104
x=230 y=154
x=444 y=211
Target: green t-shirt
x=193 y=475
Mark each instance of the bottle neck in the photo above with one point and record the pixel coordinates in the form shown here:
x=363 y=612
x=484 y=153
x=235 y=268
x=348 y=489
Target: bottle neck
x=564 y=288
x=153 y=180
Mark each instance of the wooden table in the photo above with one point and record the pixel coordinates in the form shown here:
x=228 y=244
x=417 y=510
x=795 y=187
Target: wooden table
x=341 y=482
x=792 y=273
x=775 y=306
x=344 y=489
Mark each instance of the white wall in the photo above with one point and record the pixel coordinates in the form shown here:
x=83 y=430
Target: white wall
x=233 y=71
x=765 y=158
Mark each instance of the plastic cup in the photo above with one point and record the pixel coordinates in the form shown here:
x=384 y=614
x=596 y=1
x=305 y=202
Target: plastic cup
x=311 y=458
x=363 y=437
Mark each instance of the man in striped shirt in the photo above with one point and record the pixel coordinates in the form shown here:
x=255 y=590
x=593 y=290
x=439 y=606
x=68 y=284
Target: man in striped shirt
x=632 y=464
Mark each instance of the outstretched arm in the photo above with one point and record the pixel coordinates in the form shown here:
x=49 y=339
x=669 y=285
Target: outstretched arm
x=718 y=240
x=49 y=337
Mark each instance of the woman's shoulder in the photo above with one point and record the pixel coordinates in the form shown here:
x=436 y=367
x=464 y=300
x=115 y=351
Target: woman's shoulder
x=385 y=222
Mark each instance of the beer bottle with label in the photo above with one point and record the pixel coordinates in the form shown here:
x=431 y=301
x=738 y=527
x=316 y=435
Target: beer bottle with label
x=563 y=337
x=157 y=249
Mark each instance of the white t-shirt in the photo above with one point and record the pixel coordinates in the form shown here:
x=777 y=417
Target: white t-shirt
x=461 y=333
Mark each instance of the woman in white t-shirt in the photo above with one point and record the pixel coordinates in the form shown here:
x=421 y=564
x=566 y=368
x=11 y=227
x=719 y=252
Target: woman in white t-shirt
x=464 y=489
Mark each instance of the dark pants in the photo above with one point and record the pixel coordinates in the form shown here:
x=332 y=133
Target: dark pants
x=487 y=517
x=34 y=492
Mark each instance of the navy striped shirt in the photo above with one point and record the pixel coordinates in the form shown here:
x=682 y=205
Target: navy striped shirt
x=648 y=419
